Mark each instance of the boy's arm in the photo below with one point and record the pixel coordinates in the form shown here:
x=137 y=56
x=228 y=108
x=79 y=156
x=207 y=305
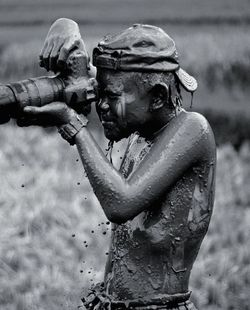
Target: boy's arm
x=173 y=153
x=185 y=144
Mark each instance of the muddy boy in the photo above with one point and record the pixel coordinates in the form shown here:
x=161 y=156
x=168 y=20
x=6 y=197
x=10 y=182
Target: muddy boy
x=161 y=199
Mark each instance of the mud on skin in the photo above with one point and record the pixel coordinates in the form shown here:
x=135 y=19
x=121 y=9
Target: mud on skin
x=160 y=201
x=158 y=247
x=152 y=252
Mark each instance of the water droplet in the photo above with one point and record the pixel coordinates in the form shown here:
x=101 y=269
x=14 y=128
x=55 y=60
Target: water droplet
x=73 y=235
x=149 y=269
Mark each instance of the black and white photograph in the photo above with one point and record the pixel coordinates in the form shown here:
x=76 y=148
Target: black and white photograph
x=124 y=155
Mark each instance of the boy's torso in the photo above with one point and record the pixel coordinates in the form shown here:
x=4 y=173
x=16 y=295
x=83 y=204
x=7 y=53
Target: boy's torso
x=153 y=253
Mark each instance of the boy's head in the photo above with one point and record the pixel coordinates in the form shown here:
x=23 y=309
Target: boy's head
x=138 y=73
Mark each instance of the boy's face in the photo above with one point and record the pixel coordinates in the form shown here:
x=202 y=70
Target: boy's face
x=123 y=107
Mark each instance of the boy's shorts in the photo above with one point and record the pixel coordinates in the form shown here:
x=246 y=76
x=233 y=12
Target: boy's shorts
x=97 y=299
x=186 y=305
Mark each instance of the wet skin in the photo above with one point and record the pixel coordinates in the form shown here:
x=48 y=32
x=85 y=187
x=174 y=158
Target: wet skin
x=154 y=252
x=161 y=200
x=123 y=108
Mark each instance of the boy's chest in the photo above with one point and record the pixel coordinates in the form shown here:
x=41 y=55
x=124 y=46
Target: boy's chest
x=137 y=149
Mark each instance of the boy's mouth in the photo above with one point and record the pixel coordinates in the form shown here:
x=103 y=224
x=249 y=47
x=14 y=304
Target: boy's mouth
x=107 y=120
x=108 y=124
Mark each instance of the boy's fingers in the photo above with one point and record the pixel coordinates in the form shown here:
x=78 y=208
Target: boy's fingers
x=52 y=108
x=41 y=54
x=63 y=55
x=36 y=110
x=30 y=110
x=54 y=55
x=46 y=55
x=67 y=48
x=43 y=49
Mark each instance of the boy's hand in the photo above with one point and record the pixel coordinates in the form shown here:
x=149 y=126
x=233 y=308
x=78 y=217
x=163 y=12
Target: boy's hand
x=53 y=114
x=63 y=37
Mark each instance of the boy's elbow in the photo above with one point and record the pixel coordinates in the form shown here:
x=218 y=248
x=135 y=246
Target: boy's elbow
x=117 y=220
x=120 y=208
x=117 y=216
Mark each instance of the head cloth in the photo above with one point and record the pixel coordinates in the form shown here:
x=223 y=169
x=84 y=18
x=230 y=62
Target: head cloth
x=142 y=48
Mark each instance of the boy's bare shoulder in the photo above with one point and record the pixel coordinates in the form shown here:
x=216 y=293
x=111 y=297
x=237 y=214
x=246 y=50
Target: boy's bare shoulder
x=197 y=123
x=201 y=130
x=189 y=132
x=191 y=124
x=197 y=118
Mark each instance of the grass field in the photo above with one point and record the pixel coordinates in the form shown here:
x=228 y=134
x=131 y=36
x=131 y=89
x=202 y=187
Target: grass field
x=52 y=245
x=48 y=213
x=92 y=12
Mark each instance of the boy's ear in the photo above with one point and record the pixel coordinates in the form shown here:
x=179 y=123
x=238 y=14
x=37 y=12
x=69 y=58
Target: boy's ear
x=159 y=96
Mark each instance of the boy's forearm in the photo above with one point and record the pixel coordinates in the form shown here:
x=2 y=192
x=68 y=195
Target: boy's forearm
x=108 y=184
x=120 y=200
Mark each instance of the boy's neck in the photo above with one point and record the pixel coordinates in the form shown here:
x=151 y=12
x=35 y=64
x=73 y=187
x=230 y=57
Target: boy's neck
x=159 y=123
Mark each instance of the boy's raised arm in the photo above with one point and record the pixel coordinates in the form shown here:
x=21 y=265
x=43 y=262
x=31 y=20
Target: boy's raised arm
x=169 y=159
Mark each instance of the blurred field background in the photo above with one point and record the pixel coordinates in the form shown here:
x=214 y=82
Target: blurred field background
x=54 y=236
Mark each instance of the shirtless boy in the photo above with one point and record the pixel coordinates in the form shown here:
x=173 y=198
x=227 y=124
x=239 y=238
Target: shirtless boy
x=160 y=201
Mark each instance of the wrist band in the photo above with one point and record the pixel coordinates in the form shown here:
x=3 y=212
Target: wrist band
x=69 y=131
